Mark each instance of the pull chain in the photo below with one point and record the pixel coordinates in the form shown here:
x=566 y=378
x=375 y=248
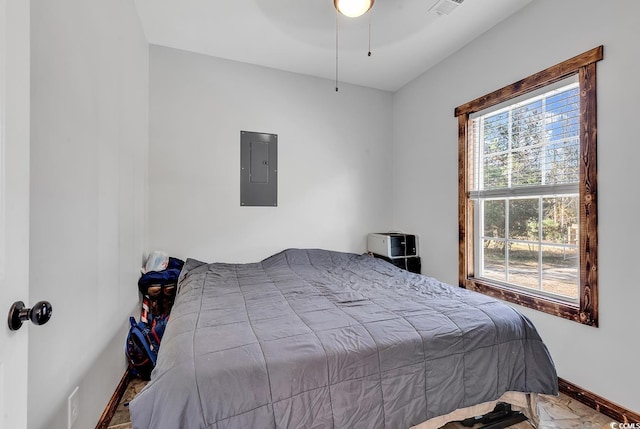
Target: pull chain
x=337 y=45
x=336 y=50
x=369 y=54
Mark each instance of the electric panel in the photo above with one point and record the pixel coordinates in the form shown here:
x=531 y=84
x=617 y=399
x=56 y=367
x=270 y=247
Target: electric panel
x=258 y=169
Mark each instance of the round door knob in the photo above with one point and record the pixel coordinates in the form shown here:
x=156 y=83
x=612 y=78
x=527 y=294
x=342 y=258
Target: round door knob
x=39 y=314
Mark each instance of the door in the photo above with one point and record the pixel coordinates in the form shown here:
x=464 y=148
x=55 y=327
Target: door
x=14 y=207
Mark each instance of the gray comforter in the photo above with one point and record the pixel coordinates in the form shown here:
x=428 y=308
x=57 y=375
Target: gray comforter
x=321 y=339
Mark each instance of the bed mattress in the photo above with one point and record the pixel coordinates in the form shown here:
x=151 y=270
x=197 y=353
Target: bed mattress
x=311 y=338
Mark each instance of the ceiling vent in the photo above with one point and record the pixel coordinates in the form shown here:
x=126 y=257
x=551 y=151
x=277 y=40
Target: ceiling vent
x=445 y=7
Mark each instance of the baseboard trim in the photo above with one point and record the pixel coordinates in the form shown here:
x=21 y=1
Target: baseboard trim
x=598 y=403
x=110 y=410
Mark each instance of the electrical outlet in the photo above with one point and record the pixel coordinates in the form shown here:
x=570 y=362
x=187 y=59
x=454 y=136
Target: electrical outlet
x=73 y=407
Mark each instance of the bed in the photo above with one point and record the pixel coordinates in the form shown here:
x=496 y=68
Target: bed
x=312 y=338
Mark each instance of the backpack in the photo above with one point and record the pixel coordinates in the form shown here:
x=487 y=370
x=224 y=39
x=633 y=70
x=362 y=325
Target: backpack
x=143 y=343
x=158 y=288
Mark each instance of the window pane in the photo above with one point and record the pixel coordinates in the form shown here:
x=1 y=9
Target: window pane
x=524 y=265
x=535 y=143
x=563 y=115
x=496 y=171
x=494 y=218
x=494 y=260
x=496 y=133
x=526 y=167
x=560 y=270
x=527 y=125
x=560 y=220
x=523 y=219
x=561 y=164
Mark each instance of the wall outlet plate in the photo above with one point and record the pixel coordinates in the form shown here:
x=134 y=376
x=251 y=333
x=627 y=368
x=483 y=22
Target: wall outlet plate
x=73 y=407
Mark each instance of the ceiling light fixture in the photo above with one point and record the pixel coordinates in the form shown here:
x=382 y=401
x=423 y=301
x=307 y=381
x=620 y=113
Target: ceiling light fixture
x=353 y=8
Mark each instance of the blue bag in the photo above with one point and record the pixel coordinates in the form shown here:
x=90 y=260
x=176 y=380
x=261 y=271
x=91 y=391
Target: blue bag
x=143 y=343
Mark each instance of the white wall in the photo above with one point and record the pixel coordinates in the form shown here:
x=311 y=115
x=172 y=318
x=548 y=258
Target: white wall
x=89 y=122
x=334 y=159
x=602 y=360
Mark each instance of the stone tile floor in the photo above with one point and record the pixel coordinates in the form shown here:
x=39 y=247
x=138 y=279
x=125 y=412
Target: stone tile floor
x=560 y=412
x=121 y=419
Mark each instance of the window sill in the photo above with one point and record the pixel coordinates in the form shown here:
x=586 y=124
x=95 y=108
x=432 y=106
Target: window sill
x=546 y=305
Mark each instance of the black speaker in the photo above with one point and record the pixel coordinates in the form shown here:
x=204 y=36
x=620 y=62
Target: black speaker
x=411 y=263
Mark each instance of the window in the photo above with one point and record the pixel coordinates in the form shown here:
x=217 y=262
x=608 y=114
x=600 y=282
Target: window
x=527 y=191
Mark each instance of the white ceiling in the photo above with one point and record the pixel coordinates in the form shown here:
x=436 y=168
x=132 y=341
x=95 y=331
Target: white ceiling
x=300 y=35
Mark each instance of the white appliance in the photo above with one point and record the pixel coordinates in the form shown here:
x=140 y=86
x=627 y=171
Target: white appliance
x=393 y=244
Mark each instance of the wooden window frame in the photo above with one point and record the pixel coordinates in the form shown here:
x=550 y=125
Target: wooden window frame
x=586 y=311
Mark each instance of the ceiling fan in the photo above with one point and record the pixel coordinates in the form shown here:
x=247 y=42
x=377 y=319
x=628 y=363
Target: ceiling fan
x=357 y=8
